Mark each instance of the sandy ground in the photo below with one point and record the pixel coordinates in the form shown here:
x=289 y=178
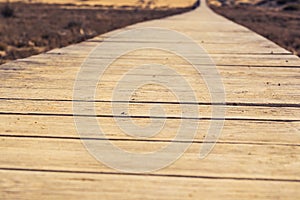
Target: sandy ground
x=118 y=3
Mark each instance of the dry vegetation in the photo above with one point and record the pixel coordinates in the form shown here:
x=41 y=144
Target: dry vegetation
x=31 y=28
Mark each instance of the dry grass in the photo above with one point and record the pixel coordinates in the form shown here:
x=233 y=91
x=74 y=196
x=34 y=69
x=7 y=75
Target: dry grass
x=36 y=28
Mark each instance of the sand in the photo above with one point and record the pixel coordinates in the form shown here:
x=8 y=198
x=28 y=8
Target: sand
x=118 y=3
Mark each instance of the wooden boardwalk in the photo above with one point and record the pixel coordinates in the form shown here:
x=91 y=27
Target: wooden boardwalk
x=256 y=157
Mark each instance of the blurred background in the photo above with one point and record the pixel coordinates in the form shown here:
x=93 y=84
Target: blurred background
x=31 y=27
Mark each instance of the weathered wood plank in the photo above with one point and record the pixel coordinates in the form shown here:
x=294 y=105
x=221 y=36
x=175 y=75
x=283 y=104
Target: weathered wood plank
x=225 y=160
x=256 y=156
x=236 y=131
x=247 y=111
x=55 y=185
x=279 y=85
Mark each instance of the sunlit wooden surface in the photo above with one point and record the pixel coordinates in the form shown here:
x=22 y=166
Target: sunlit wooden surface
x=256 y=157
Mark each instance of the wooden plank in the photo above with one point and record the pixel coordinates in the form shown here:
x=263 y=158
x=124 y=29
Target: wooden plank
x=57 y=185
x=283 y=94
x=235 y=131
x=56 y=107
x=279 y=85
x=226 y=160
x=73 y=60
x=256 y=156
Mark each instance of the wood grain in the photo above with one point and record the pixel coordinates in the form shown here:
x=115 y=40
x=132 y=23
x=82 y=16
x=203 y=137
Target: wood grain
x=256 y=156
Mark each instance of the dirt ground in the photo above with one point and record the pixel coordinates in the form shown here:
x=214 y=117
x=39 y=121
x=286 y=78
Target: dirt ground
x=34 y=27
x=277 y=20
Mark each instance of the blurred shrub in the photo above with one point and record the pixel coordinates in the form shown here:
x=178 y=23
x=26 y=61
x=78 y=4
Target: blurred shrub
x=7 y=11
x=2 y=46
x=73 y=24
x=292 y=7
x=283 y=2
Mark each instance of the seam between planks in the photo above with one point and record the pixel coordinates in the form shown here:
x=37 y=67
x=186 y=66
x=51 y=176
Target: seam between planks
x=148 y=140
x=228 y=104
x=153 y=175
x=150 y=117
